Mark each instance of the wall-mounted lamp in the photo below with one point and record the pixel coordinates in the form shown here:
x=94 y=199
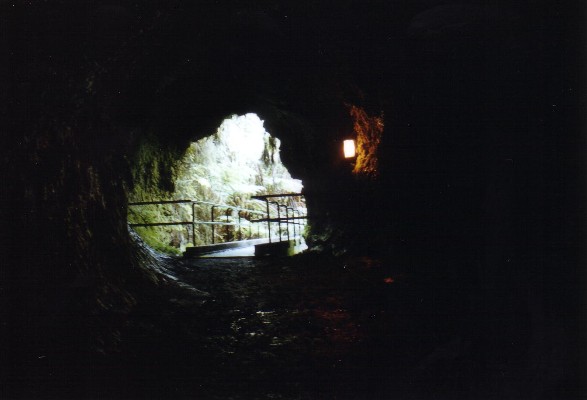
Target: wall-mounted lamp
x=349 y=148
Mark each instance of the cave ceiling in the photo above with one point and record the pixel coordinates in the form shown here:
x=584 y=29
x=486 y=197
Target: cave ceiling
x=178 y=68
x=175 y=62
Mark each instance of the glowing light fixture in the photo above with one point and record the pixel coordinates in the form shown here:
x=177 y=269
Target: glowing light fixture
x=349 y=148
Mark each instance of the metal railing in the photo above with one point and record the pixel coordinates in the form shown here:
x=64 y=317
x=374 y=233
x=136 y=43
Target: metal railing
x=193 y=222
x=296 y=221
x=229 y=220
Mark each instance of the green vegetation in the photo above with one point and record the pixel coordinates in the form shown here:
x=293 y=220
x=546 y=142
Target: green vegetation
x=240 y=160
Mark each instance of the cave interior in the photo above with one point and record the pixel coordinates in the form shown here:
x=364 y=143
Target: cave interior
x=446 y=261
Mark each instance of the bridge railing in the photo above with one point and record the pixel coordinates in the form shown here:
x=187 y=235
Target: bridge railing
x=214 y=219
x=292 y=217
x=296 y=221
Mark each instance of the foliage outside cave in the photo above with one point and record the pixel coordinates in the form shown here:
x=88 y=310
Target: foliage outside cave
x=240 y=160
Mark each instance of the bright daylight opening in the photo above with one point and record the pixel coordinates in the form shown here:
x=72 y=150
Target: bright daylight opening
x=214 y=184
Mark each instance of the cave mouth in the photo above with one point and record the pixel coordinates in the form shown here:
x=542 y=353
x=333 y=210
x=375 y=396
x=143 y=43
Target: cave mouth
x=213 y=183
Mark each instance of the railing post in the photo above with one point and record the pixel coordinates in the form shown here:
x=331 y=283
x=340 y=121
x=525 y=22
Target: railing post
x=286 y=221
x=278 y=219
x=240 y=232
x=212 y=220
x=194 y=224
x=299 y=226
x=227 y=213
x=293 y=214
x=293 y=222
x=268 y=219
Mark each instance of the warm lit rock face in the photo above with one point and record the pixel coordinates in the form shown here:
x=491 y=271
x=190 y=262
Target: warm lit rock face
x=478 y=114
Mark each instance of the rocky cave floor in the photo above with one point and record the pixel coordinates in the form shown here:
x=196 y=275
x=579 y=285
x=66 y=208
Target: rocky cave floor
x=297 y=328
x=308 y=327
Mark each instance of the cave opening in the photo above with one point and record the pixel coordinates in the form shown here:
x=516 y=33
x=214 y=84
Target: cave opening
x=211 y=200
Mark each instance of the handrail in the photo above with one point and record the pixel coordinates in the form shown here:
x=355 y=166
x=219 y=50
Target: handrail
x=160 y=223
x=229 y=210
x=278 y=219
x=267 y=196
x=195 y=222
x=220 y=205
x=146 y=203
x=288 y=220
